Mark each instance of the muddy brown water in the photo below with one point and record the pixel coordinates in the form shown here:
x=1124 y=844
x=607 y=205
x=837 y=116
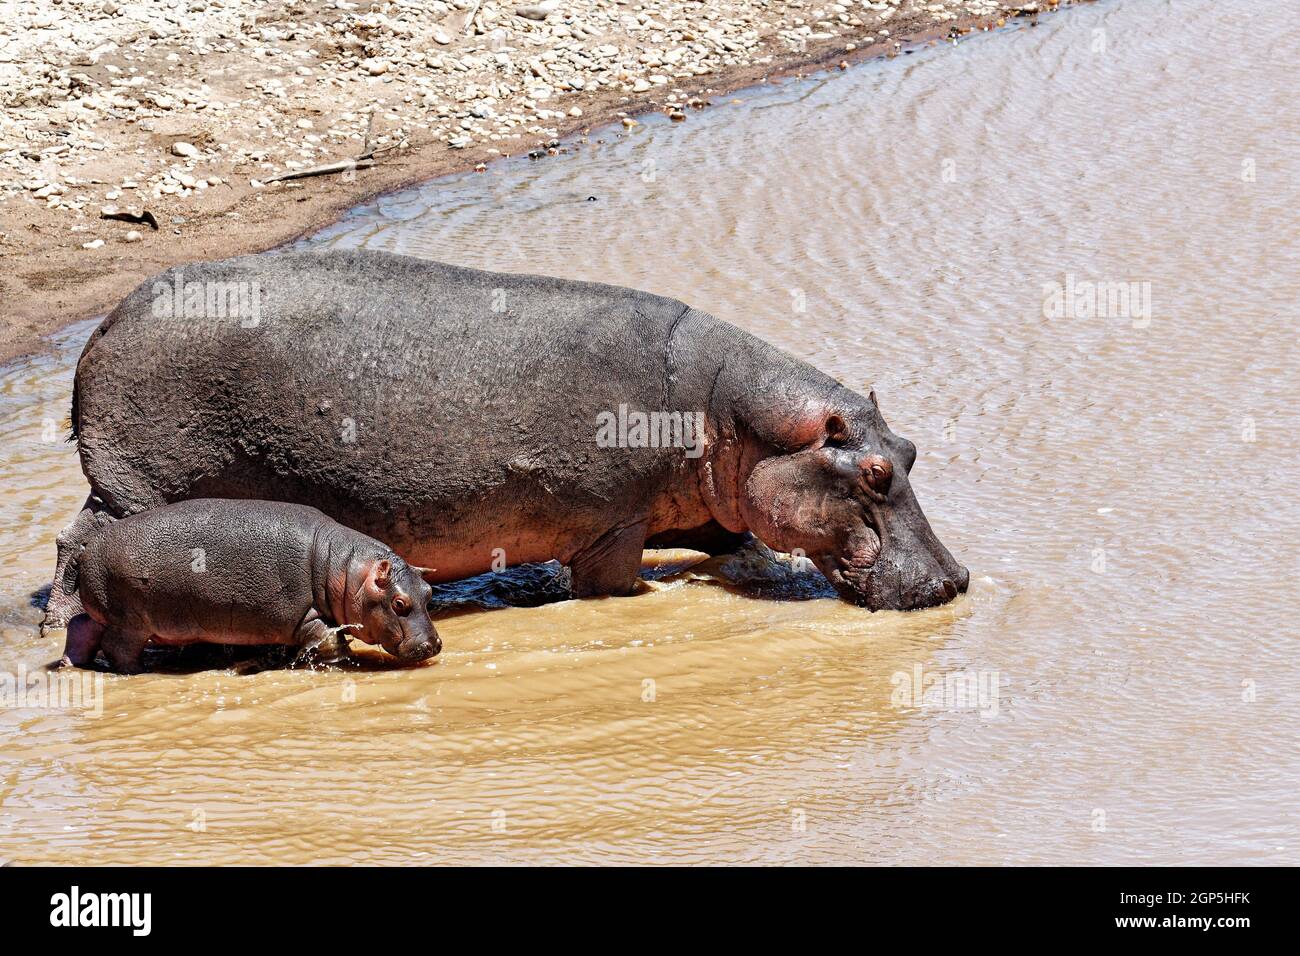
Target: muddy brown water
x=1121 y=481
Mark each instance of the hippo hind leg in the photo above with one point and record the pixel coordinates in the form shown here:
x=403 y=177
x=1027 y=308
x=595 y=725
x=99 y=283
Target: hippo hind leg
x=125 y=649
x=609 y=565
x=85 y=635
x=65 y=603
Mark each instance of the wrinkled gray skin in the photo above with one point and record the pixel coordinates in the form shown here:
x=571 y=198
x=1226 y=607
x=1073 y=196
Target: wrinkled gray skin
x=452 y=413
x=243 y=572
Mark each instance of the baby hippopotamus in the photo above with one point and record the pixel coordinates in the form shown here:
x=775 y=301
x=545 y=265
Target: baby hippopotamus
x=243 y=572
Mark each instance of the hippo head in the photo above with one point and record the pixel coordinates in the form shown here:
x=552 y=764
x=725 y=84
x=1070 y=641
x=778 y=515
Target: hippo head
x=395 y=611
x=846 y=503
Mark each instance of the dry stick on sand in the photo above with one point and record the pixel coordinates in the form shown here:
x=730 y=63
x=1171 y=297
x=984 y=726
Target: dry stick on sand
x=465 y=26
x=364 y=161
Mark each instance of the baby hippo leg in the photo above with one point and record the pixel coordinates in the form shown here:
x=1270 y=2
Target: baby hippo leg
x=82 y=644
x=318 y=643
x=125 y=649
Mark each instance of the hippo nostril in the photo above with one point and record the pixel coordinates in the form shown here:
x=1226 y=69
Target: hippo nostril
x=949 y=590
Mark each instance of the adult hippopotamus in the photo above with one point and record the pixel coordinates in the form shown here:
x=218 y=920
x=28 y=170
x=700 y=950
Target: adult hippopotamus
x=473 y=420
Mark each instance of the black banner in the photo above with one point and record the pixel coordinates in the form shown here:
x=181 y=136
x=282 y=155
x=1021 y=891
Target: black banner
x=331 y=906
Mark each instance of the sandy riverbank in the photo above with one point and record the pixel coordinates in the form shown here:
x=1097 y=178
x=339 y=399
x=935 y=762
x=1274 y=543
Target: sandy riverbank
x=184 y=110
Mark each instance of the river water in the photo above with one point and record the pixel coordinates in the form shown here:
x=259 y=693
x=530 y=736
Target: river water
x=1119 y=475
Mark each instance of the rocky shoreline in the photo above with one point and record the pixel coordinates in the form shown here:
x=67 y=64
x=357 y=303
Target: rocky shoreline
x=134 y=136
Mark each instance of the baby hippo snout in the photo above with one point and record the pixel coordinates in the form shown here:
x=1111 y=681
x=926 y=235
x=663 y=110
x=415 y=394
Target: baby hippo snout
x=419 y=648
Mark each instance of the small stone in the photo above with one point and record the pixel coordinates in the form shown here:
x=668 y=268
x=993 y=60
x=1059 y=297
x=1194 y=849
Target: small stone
x=132 y=236
x=188 y=150
x=305 y=124
x=538 y=11
x=93 y=244
x=441 y=37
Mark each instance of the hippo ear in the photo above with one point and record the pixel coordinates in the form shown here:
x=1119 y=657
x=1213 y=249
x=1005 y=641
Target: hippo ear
x=382 y=573
x=837 y=430
x=426 y=573
x=872 y=395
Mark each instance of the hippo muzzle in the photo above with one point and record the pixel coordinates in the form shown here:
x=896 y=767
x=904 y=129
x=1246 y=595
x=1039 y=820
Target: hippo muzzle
x=853 y=513
x=416 y=647
x=893 y=560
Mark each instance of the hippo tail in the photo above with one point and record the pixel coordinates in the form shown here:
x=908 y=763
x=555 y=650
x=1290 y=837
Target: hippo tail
x=72 y=413
x=72 y=574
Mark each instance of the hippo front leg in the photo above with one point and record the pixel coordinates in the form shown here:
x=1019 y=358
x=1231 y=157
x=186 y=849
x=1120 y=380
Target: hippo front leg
x=318 y=643
x=611 y=564
x=85 y=635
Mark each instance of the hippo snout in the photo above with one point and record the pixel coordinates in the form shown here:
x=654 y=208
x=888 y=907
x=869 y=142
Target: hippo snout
x=419 y=649
x=943 y=587
x=940 y=589
x=888 y=585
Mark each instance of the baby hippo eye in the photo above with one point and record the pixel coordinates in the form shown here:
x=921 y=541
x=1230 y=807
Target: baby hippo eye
x=401 y=605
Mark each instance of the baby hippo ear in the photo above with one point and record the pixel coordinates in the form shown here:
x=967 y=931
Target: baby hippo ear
x=381 y=574
x=426 y=573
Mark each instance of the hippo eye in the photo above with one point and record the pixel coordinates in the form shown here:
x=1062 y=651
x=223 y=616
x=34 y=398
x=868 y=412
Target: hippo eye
x=877 y=472
x=401 y=605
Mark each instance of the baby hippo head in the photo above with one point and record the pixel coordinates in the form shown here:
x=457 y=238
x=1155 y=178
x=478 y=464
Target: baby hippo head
x=394 y=614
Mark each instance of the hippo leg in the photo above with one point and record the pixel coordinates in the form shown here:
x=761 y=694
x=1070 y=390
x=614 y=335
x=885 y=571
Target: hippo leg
x=321 y=644
x=125 y=649
x=65 y=603
x=82 y=644
x=611 y=564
